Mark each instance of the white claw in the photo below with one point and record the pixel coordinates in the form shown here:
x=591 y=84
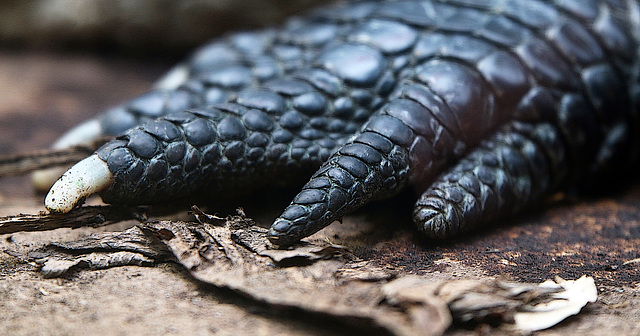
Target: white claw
x=173 y=78
x=43 y=179
x=83 y=133
x=83 y=179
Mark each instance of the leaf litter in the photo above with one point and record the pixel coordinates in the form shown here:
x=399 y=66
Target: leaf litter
x=319 y=277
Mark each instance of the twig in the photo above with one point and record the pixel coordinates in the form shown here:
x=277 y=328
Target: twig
x=19 y=164
x=93 y=216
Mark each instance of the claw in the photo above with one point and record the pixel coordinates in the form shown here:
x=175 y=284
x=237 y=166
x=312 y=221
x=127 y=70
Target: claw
x=174 y=78
x=43 y=179
x=85 y=178
x=83 y=133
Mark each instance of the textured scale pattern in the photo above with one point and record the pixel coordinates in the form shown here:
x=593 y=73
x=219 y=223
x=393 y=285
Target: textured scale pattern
x=483 y=107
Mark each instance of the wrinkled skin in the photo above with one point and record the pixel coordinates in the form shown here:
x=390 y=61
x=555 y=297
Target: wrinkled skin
x=482 y=107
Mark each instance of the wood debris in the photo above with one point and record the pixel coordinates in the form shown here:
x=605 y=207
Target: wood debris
x=23 y=163
x=93 y=216
x=320 y=278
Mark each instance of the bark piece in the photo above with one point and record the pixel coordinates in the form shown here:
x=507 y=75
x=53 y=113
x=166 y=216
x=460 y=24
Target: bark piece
x=238 y=257
x=93 y=216
x=512 y=305
x=99 y=251
x=56 y=267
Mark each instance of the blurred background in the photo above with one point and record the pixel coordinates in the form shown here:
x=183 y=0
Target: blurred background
x=143 y=27
x=64 y=61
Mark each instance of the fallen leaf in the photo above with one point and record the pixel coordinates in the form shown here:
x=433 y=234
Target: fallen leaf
x=572 y=295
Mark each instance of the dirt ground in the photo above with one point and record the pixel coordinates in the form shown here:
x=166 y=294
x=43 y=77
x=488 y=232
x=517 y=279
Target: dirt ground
x=44 y=94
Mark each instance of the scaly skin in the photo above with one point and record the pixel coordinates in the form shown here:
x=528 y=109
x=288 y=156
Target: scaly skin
x=483 y=107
